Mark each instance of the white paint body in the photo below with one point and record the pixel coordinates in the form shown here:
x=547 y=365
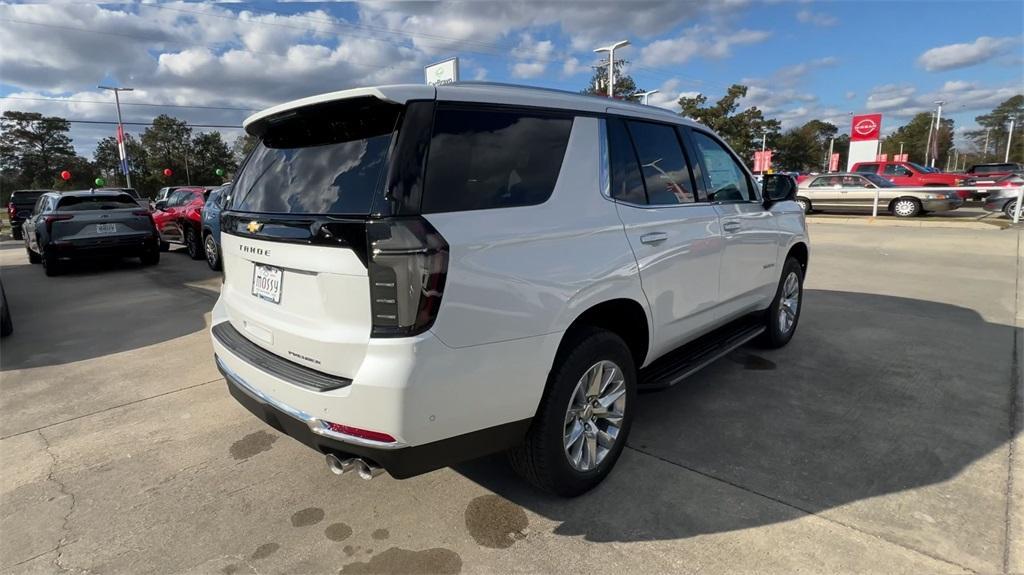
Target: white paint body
x=517 y=279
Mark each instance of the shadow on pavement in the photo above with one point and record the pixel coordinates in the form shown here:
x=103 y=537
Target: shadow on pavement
x=72 y=317
x=874 y=395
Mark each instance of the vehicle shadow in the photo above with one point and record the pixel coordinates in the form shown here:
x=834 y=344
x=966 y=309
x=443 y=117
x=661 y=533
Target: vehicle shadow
x=72 y=316
x=875 y=395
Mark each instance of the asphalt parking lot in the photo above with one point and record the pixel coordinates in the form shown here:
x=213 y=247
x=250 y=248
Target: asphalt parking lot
x=883 y=439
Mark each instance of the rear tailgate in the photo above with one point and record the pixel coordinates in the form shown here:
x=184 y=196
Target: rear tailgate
x=85 y=226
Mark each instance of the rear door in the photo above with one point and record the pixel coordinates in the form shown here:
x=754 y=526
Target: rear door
x=294 y=237
x=673 y=231
x=750 y=234
x=825 y=192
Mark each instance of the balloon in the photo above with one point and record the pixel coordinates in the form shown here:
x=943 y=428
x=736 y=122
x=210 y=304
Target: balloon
x=219 y=172
x=100 y=182
x=168 y=172
x=65 y=175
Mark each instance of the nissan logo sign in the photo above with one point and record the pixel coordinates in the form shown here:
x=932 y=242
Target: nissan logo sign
x=865 y=126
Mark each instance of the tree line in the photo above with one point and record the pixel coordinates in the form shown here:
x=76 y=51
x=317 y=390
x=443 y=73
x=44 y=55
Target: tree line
x=35 y=149
x=805 y=147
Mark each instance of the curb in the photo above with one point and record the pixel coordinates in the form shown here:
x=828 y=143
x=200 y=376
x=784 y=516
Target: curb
x=869 y=221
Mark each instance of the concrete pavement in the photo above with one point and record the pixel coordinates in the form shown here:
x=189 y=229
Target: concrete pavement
x=878 y=441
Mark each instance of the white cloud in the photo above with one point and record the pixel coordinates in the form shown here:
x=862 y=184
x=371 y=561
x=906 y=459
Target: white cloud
x=816 y=18
x=573 y=66
x=954 y=56
x=890 y=97
x=699 y=41
x=905 y=100
x=851 y=95
x=528 y=69
x=533 y=56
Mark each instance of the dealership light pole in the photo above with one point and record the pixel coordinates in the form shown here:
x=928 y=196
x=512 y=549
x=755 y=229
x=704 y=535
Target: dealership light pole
x=644 y=95
x=828 y=158
x=121 y=149
x=928 y=144
x=938 y=127
x=1009 y=139
x=611 y=63
x=901 y=149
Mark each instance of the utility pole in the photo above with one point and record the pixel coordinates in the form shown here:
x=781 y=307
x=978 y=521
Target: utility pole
x=611 y=63
x=938 y=126
x=828 y=159
x=1009 y=139
x=121 y=150
x=928 y=146
x=985 y=152
x=645 y=95
x=901 y=149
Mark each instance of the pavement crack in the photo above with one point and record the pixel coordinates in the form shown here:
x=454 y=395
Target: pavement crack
x=63 y=488
x=803 y=510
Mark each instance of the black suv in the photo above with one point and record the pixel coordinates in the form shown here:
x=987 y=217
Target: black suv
x=20 y=208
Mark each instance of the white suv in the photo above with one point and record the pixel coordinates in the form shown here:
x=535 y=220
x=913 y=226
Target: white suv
x=416 y=276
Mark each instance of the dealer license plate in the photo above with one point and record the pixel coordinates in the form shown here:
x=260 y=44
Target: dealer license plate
x=266 y=283
x=106 y=228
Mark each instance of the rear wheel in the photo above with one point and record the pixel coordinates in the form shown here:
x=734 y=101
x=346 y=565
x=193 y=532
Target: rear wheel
x=6 y=325
x=804 y=204
x=164 y=246
x=150 y=257
x=33 y=258
x=212 y=252
x=583 y=420
x=51 y=264
x=782 y=316
x=906 y=208
x=195 y=251
x=1009 y=208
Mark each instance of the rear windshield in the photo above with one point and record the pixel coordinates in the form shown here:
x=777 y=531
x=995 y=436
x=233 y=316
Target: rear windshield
x=96 y=202
x=993 y=169
x=324 y=159
x=20 y=197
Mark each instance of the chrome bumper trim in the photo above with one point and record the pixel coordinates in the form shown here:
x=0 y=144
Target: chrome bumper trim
x=317 y=426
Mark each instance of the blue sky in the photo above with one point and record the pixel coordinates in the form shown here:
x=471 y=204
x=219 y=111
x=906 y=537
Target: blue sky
x=802 y=60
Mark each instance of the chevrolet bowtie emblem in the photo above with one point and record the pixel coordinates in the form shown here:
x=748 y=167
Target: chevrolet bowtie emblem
x=254 y=227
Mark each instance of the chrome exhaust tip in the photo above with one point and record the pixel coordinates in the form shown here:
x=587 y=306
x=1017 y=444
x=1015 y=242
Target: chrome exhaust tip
x=368 y=470
x=340 y=466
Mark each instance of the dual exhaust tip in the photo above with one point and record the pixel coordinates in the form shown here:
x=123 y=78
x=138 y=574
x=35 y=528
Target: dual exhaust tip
x=364 y=468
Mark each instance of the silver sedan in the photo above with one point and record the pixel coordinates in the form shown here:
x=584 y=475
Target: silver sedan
x=856 y=192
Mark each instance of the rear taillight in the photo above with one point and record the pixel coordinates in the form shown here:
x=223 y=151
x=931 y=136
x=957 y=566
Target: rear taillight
x=361 y=433
x=11 y=210
x=55 y=218
x=408 y=264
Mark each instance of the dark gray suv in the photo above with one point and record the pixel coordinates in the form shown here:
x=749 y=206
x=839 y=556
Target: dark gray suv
x=88 y=223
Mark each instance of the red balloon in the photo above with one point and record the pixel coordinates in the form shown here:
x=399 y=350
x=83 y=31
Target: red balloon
x=168 y=172
x=65 y=175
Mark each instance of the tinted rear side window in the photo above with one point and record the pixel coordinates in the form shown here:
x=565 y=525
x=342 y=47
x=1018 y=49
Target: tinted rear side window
x=96 y=202
x=483 y=159
x=28 y=198
x=626 y=181
x=325 y=159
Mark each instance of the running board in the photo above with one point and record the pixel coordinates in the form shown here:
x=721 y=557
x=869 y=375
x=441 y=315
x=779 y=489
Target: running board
x=687 y=360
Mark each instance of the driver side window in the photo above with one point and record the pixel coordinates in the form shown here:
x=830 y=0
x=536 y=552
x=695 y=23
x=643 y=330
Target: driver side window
x=725 y=179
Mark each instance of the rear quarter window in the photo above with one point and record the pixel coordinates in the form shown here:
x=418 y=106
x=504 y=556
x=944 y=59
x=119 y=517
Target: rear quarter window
x=483 y=159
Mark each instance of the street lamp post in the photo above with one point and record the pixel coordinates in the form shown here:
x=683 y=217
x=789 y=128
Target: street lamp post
x=828 y=158
x=645 y=95
x=121 y=149
x=611 y=63
x=938 y=126
x=1009 y=139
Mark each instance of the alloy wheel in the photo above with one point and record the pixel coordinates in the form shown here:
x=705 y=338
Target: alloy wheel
x=789 y=303
x=211 y=250
x=190 y=243
x=594 y=416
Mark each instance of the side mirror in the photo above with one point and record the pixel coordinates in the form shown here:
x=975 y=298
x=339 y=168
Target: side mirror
x=161 y=205
x=778 y=188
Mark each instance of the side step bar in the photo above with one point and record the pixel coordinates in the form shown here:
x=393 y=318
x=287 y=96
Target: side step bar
x=687 y=360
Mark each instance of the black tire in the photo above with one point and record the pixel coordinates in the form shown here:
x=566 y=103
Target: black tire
x=776 y=334
x=906 y=208
x=1009 y=208
x=542 y=459
x=164 y=246
x=6 y=325
x=51 y=264
x=33 y=258
x=212 y=251
x=16 y=233
x=804 y=204
x=150 y=257
x=195 y=250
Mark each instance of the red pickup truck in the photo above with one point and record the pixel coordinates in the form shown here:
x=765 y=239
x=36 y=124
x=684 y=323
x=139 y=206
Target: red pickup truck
x=911 y=174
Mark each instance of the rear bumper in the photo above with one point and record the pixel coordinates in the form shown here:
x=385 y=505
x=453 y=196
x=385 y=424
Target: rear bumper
x=401 y=462
x=127 y=244
x=941 y=205
x=996 y=205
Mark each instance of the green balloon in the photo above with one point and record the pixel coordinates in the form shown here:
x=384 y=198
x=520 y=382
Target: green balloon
x=219 y=172
x=100 y=182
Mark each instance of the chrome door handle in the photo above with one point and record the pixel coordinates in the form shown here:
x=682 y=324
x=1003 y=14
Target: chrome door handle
x=653 y=238
x=732 y=226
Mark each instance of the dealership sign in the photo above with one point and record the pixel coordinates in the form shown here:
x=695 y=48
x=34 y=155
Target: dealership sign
x=866 y=127
x=441 y=73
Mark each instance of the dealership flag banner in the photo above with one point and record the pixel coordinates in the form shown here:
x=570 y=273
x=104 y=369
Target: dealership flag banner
x=763 y=161
x=833 y=163
x=120 y=149
x=882 y=158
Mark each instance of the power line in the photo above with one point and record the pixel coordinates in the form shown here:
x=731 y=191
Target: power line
x=150 y=124
x=74 y=100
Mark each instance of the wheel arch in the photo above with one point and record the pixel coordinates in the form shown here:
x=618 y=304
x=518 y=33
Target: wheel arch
x=624 y=317
x=802 y=254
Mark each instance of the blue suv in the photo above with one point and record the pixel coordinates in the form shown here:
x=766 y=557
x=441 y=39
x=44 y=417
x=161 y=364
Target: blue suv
x=211 y=224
